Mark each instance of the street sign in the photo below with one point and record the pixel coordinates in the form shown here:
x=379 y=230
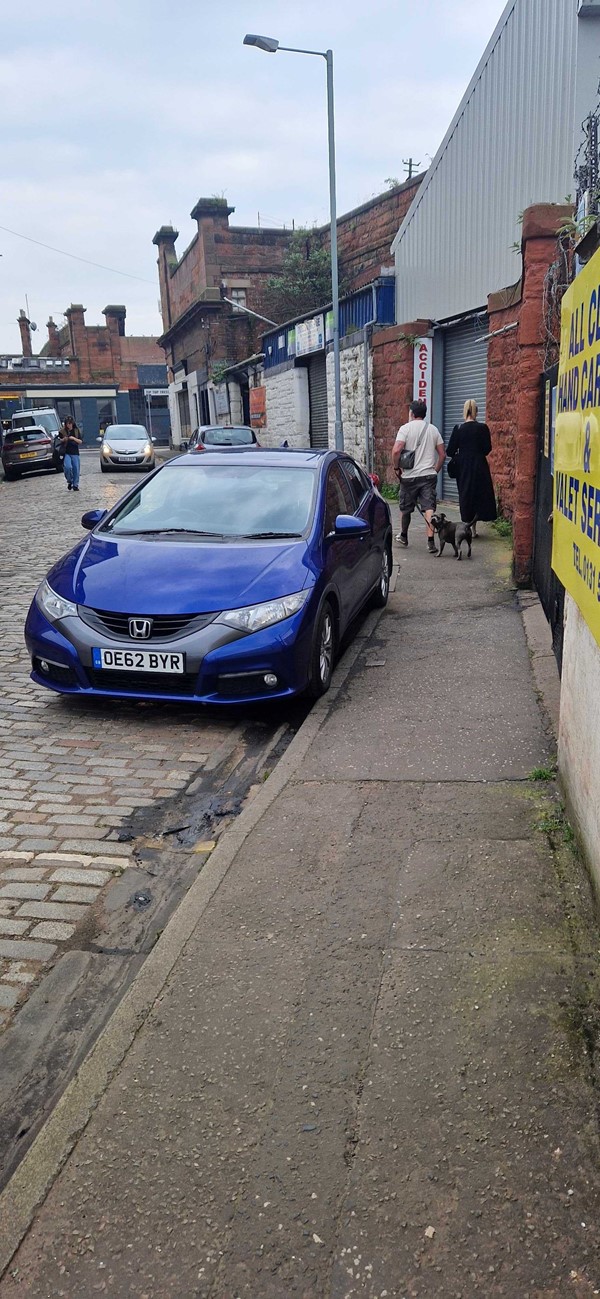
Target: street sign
x=156 y=392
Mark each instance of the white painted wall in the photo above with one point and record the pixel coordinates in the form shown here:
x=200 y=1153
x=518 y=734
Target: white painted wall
x=579 y=732
x=236 y=410
x=288 y=415
x=353 y=399
x=174 y=414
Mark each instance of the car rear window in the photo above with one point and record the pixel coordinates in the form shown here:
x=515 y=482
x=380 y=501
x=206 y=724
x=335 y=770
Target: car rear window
x=26 y=435
x=227 y=437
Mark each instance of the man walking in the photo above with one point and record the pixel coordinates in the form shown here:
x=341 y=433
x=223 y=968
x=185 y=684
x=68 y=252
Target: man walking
x=71 y=439
x=418 y=484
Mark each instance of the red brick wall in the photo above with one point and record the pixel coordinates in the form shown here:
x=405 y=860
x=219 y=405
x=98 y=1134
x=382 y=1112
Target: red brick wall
x=365 y=235
x=502 y=385
x=251 y=256
x=393 y=368
x=515 y=365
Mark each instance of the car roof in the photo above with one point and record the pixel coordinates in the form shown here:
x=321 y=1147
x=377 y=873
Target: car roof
x=248 y=455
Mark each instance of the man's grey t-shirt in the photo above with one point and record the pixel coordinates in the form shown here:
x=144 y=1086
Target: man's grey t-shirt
x=426 y=455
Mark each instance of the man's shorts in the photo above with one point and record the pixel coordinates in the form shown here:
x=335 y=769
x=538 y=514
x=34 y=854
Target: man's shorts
x=417 y=491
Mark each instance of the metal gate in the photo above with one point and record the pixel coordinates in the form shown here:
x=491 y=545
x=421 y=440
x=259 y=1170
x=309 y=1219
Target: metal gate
x=547 y=585
x=465 y=376
x=317 y=400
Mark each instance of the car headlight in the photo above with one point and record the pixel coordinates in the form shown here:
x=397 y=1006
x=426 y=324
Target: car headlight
x=53 y=605
x=257 y=616
x=148 y=449
x=106 y=449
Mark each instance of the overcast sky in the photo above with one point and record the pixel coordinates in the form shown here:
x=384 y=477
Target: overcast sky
x=119 y=114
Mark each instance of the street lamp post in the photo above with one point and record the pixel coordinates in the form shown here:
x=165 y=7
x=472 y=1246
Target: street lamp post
x=271 y=46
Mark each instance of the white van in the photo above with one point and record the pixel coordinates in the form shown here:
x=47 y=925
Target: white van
x=46 y=419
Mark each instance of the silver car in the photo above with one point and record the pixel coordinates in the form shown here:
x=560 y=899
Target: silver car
x=126 y=446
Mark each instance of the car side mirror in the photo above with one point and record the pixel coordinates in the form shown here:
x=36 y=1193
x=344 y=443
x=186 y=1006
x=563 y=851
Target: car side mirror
x=184 y=446
x=348 y=525
x=100 y=439
x=153 y=439
x=92 y=518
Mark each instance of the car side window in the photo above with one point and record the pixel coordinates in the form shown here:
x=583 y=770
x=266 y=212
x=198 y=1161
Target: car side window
x=358 y=483
x=338 y=497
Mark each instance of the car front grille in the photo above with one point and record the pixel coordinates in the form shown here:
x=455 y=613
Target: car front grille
x=148 y=683
x=164 y=626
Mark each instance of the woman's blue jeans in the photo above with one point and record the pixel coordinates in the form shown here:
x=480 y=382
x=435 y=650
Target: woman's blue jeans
x=72 y=467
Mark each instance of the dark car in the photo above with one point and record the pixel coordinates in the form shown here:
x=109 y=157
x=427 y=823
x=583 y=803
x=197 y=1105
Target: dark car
x=28 y=446
x=223 y=578
x=221 y=435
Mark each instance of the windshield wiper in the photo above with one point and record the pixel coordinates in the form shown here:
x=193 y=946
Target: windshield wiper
x=161 y=532
x=252 y=536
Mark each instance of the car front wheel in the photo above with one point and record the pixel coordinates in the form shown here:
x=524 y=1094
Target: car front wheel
x=322 y=653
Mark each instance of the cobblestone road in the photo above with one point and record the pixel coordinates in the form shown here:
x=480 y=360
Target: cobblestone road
x=72 y=771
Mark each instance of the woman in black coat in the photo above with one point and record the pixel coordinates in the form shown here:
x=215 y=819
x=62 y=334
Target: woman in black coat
x=470 y=443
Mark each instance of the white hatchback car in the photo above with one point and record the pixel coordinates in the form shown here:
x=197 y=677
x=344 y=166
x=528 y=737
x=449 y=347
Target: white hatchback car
x=126 y=446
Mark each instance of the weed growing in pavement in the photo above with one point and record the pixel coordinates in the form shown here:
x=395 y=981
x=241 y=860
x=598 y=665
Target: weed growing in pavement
x=503 y=528
x=389 y=492
x=543 y=773
x=556 y=826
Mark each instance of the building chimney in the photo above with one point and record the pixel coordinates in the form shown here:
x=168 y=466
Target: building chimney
x=78 y=335
x=25 y=328
x=53 y=339
x=115 y=318
x=167 y=264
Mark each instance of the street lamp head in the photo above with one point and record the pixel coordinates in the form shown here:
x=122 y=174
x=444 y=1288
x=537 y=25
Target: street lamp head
x=266 y=43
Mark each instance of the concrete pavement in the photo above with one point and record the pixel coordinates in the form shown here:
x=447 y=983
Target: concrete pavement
x=361 y=1059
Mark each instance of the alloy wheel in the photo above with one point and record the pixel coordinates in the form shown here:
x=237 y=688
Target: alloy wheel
x=326 y=648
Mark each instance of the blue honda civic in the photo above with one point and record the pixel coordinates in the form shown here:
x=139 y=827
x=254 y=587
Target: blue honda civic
x=227 y=577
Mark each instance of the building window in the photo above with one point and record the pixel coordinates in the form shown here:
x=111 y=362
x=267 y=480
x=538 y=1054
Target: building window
x=237 y=296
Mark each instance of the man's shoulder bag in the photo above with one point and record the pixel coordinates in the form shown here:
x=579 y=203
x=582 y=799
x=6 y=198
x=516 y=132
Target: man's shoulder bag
x=407 y=458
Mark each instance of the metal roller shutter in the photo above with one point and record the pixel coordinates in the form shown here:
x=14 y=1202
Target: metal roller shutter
x=465 y=376
x=317 y=399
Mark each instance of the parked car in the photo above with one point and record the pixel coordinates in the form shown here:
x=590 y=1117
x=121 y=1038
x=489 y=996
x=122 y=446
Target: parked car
x=46 y=418
x=229 y=577
x=126 y=446
x=31 y=442
x=221 y=435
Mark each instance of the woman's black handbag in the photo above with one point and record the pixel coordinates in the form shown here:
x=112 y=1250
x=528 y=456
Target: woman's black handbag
x=452 y=467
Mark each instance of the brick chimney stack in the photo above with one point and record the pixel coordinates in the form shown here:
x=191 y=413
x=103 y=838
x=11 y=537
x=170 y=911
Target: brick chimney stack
x=167 y=262
x=79 y=344
x=53 y=339
x=25 y=328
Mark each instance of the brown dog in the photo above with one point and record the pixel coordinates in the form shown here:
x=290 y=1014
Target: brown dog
x=454 y=533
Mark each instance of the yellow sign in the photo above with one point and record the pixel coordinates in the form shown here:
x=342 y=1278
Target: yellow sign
x=576 y=513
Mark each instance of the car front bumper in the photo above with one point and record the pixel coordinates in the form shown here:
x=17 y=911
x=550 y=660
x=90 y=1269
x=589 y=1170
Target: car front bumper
x=222 y=666
x=128 y=462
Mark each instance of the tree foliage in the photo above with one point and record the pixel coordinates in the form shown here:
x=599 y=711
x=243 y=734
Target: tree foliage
x=304 y=281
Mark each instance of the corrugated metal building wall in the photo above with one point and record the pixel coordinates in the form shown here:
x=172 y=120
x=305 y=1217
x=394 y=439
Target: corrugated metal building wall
x=510 y=144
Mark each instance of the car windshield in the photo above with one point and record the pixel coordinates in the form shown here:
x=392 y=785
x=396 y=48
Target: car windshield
x=126 y=433
x=220 y=500
x=227 y=437
x=25 y=435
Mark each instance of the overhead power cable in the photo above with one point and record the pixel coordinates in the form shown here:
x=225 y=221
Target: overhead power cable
x=99 y=265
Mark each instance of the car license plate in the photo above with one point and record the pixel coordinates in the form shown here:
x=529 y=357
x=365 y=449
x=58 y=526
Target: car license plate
x=127 y=660
x=126 y=458
x=28 y=455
